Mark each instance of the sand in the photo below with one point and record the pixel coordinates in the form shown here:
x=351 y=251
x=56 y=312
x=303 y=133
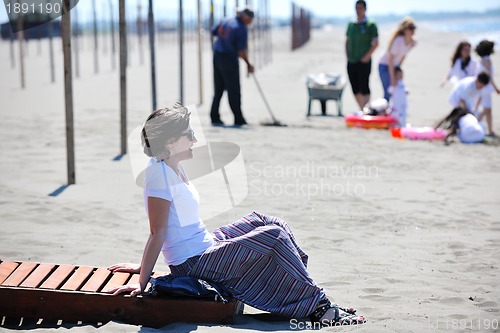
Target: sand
x=407 y=232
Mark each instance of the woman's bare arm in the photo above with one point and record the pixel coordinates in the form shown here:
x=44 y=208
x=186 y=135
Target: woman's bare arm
x=158 y=218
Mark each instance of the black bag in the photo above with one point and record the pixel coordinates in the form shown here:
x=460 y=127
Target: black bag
x=171 y=285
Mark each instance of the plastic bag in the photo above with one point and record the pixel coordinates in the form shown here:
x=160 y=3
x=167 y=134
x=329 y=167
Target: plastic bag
x=171 y=285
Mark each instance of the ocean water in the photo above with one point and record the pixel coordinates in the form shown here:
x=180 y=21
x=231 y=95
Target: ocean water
x=473 y=29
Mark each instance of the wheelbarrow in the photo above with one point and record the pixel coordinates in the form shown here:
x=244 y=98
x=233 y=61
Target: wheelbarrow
x=324 y=87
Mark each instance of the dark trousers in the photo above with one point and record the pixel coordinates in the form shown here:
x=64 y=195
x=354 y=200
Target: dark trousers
x=226 y=77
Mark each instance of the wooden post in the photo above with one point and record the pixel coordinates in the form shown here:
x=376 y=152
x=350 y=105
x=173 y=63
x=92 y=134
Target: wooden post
x=68 y=90
x=51 y=50
x=20 y=40
x=151 y=32
x=12 y=56
x=104 y=38
x=139 y=32
x=200 y=53
x=258 y=16
x=96 y=45
x=181 y=52
x=123 y=78
x=76 y=44
x=12 y=36
x=270 y=32
x=113 y=44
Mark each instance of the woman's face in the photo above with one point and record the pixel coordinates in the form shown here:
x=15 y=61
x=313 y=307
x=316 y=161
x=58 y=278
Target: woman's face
x=465 y=52
x=410 y=30
x=182 y=148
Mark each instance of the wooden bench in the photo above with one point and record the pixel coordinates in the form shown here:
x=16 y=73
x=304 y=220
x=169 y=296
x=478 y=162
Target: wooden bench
x=74 y=294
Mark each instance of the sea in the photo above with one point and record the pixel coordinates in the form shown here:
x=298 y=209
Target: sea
x=473 y=29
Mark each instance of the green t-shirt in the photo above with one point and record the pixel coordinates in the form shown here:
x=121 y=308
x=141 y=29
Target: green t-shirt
x=359 y=38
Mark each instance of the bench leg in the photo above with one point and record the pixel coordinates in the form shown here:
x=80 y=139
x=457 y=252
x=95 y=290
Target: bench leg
x=339 y=108
x=309 y=107
x=323 y=107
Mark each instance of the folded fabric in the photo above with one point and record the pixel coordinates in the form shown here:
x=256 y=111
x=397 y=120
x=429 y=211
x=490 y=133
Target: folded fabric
x=170 y=285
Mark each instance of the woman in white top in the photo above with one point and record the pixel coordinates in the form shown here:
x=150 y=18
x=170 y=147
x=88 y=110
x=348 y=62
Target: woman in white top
x=462 y=65
x=255 y=258
x=484 y=49
x=401 y=42
x=462 y=123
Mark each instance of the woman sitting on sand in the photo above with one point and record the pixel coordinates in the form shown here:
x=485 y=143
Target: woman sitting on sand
x=462 y=65
x=401 y=42
x=462 y=123
x=256 y=258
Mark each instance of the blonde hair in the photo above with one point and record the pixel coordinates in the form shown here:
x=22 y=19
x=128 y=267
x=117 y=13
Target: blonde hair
x=400 y=30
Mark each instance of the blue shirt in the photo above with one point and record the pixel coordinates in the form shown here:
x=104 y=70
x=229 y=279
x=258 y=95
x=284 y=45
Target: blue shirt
x=232 y=37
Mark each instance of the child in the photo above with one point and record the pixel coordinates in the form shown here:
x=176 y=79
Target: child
x=462 y=123
x=399 y=99
x=484 y=49
x=462 y=65
x=377 y=107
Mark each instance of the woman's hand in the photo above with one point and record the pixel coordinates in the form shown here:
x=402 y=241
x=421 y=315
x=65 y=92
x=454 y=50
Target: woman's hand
x=134 y=289
x=125 y=267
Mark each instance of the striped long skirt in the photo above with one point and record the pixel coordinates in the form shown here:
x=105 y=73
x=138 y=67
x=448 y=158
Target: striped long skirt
x=258 y=260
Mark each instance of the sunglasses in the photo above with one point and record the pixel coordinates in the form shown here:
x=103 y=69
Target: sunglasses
x=189 y=134
x=412 y=27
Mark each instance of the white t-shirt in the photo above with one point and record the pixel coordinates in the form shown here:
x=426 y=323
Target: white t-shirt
x=398 y=49
x=186 y=234
x=465 y=90
x=471 y=130
x=399 y=102
x=457 y=73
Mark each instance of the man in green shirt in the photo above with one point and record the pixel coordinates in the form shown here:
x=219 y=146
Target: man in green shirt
x=362 y=40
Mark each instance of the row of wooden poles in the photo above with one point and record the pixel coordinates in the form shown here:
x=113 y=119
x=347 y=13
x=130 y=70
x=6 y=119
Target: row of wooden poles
x=301 y=26
x=260 y=52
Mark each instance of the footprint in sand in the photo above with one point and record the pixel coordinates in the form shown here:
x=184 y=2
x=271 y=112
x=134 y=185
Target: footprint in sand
x=452 y=300
x=373 y=290
x=456 y=245
x=489 y=306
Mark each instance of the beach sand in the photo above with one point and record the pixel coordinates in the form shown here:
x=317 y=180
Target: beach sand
x=407 y=232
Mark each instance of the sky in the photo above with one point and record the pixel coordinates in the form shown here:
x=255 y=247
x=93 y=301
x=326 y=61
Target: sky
x=281 y=8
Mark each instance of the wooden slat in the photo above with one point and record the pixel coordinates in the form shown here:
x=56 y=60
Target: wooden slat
x=37 y=276
x=118 y=279
x=57 y=277
x=134 y=279
x=6 y=268
x=19 y=274
x=96 y=280
x=76 y=280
